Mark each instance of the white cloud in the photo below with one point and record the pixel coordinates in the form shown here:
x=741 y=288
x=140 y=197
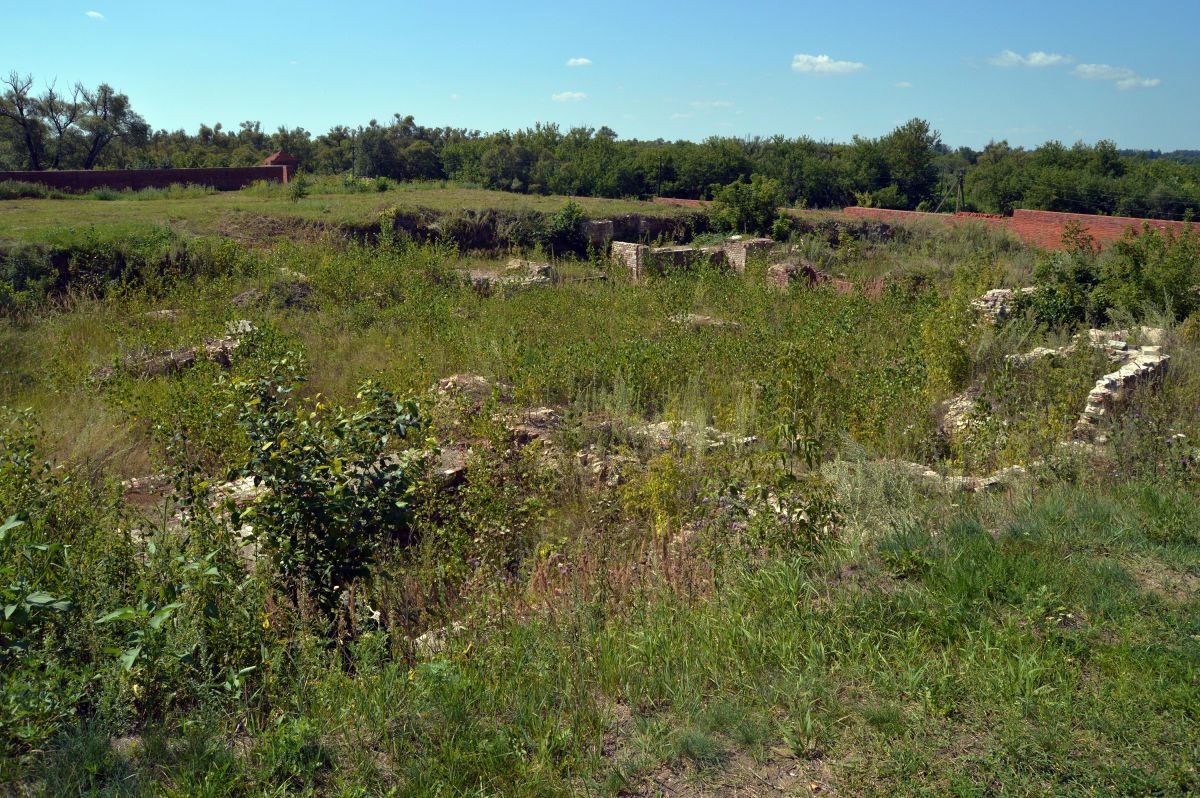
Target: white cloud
x=1037 y=58
x=568 y=97
x=707 y=104
x=678 y=115
x=904 y=84
x=93 y=15
x=1123 y=77
x=579 y=61
x=1102 y=72
x=454 y=97
x=1138 y=83
x=824 y=65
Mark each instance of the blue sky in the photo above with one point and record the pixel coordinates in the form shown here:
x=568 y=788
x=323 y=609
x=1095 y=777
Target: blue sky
x=1022 y=71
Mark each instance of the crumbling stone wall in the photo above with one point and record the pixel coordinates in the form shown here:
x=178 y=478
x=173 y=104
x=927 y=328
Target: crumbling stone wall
x=738 y=252
x=632 y=257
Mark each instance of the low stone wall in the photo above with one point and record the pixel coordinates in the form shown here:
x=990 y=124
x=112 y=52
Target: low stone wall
x=640 y=259
x=682 y=257
x=738 y=252
x=229 y=179
x=632 y=257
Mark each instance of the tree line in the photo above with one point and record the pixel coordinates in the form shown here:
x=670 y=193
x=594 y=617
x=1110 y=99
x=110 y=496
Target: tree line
x=908 y=168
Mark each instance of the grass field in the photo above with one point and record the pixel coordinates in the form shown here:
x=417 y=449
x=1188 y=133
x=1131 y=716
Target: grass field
x=758 y=599
x=240 y=212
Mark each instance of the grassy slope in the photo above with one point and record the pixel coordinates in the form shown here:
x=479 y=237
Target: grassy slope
x=216 y=213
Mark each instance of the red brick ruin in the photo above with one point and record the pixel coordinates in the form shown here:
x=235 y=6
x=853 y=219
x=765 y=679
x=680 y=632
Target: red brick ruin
x=279 y=167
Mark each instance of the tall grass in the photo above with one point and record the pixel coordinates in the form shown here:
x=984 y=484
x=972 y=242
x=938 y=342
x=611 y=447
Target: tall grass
x=548 y=630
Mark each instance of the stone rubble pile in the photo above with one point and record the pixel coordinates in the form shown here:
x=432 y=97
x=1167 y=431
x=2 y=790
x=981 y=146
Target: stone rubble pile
x=801 y=272
x=169 y=361
x=697 y=321
x=518 y=275
x=998 y=304
x=964 y=484
x=292 y=289
x=667 y=434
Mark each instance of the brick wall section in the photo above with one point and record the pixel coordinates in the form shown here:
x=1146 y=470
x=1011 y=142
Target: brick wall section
x=227 y=179
x=632 y=257
x=738 y=252
x=1039 y=228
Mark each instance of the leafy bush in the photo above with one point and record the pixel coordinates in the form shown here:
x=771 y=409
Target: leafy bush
x=748 y=207
x=564 y=229
x=297 y=188
x=334 y=493
x=1153 y=269
x=1143 y=272
x=526 y=229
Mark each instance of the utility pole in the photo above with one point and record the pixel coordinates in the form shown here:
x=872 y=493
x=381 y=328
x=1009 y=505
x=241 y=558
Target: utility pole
x=959 y=202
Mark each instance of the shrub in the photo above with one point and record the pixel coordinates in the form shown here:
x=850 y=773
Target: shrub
x=1153 y=269
x=334 y=494
x=1138 y=274
x=946 y=335
x=297 y=188
x=748 y=207
x=563 y=231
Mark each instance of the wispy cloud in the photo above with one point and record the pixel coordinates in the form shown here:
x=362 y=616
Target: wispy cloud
x=455 y=97
x=678 y=115
x=904 y=84
x=579 y=61
x=1102 y=72
x=568 y=97
x=709 y=104
x=824 y=65
x=1037 y=58
x=1138 y=83
x=1123 y=78
x=93 y=15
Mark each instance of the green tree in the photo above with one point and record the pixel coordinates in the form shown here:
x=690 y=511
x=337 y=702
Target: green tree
x=748 y=207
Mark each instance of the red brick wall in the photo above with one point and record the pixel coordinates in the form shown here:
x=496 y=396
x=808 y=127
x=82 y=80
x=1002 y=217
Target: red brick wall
x=1040 y=228
x=84 y=180
x=1045 y=228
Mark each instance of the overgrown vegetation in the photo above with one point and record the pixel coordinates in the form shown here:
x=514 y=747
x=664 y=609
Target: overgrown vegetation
x=636 y=556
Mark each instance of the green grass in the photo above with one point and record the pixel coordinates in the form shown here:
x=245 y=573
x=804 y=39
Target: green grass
x=549 y=630
x=1025 y=657
x=242 y=213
